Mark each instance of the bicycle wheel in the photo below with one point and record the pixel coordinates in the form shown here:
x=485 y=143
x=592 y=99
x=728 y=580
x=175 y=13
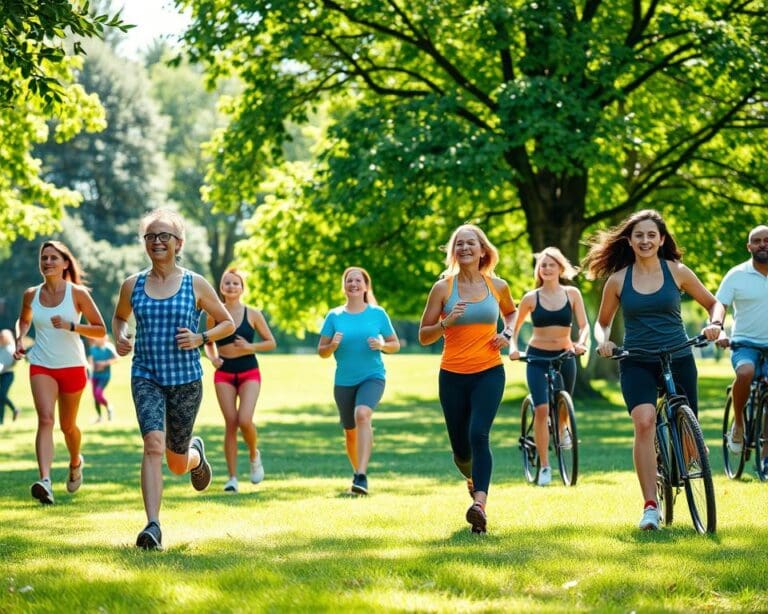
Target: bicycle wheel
x=759 y=437
x=664 y=494
x=565 y=439
x=696 y=473
x=527 y=441
x=733 y=463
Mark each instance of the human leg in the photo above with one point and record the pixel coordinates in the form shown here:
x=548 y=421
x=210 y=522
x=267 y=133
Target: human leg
x=227 y=397
x=486 y=395
x=185 y=453
x=455 y=402
x=345 y=402
x=367 y=398
x=536 y=377
x=743 y=360
x=45 y=391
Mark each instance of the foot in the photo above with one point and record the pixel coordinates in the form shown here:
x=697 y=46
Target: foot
x=15 y=414
x=360 y=484
x=109 y=414
x=42 y=491
x=231 y=485
x=566 y=443
x=151 y=538
x=201 y=475
x=650 y=519
x=735 y=440
x=545 y=476
x=75 y=476
x=477 y=518
x=257 y=469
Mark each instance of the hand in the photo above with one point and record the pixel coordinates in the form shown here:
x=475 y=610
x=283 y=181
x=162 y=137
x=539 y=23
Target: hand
x=514 y=354
x=124 y=344
x=20 y=351
x=457 y=311
x=499 y=341
x=187 y=340
x=712 y=331
x=376 y=343
x=241 y=344
x=606 y=349
x=336 y=340
x=217 y=362
x=59 y=323
x=723 y=341
x=579 y=349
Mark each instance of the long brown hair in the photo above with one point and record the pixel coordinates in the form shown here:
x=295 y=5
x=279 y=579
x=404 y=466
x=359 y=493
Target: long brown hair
x=610 y=250
x=73 y=272
x=368 y=295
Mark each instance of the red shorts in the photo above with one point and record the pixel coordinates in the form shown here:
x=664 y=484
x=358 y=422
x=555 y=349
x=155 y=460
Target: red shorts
x=69 y=379
x=235 y=379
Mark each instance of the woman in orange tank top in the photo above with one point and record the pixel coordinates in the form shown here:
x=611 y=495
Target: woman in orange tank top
x=464 y=307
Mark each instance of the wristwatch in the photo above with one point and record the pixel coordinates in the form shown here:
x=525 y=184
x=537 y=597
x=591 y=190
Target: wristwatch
x=506 y=334
x=204 y=336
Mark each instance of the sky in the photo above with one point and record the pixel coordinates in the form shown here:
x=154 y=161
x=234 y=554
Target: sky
x=153 y=18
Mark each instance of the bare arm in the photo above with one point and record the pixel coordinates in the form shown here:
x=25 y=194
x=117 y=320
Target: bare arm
x=211 y=351
x=24 y=323
x=430 y=327
x=95 y=329
x=327 y=345
x=508 y=313
x=582 y=341
x=259 y=323
x=690 y=283
x=609 y=305
x=524 y=308
x=210 y=303
x=123 y=311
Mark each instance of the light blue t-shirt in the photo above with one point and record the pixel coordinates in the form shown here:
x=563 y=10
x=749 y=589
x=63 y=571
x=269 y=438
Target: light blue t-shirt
x=355 y=361
x=746 y=290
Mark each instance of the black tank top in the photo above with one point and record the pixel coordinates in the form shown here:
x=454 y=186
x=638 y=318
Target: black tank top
x=543 y=317
x=245 y=330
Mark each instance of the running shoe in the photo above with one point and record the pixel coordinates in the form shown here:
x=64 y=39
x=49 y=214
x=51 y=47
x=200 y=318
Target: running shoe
x=257 y=469
x=201 y=475
x=42 y=491
x=566 y=443
x=545 y=476
x=735 y=444
x=75 y=476
x=151 y=538
x=650 y=519
x=477 y=518
x=231 y=485
x=360 y=484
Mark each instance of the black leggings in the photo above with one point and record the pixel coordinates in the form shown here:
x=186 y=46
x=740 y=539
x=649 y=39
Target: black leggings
x=470 y=402
x=640 y=381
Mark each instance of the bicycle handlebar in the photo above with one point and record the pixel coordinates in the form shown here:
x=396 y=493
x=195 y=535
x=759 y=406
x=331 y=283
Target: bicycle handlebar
x=619 y=353
x=560 y=357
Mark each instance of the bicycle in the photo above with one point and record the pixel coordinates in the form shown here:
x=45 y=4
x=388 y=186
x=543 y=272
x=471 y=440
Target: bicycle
x=681 y=454
x=755 y=412
x=563 y=441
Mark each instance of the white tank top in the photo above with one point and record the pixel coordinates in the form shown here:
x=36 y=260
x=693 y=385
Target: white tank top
x=56 y=348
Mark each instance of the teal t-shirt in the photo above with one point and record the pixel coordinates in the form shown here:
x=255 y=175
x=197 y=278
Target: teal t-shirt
x=355 y=361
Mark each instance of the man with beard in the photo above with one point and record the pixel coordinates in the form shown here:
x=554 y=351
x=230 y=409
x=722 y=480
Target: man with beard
x=745 y=287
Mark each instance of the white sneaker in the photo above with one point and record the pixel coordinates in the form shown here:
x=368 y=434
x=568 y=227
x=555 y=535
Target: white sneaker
x=545 y=476
x=257 y=469
x=42 y=491
x=650 y=519
x=735 y=446
x=566 y=443
x=75 y=476
x=231 y=485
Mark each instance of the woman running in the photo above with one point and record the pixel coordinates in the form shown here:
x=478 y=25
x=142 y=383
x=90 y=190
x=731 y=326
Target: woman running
x=553 y=308
x=101 y=355
x=237 y=376
x=357 y=333
x=57 y=370
x=464 y=308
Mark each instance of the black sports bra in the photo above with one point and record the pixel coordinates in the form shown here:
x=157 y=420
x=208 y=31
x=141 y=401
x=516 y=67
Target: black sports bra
x=245 y=330
x=543 y=317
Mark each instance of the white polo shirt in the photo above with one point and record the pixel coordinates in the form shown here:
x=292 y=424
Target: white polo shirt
x=746 y=291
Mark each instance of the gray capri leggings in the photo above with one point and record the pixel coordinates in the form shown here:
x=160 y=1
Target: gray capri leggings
x=367 y=392
x=171 y=409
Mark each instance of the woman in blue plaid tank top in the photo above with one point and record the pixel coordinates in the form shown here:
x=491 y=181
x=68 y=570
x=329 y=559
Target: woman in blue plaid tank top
x=166 y=301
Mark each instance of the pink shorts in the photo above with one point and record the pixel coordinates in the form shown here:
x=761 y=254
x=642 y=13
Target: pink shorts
x=69 y=379
x=235 y=379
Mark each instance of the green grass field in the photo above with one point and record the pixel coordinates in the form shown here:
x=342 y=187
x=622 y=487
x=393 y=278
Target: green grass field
x=297 y=542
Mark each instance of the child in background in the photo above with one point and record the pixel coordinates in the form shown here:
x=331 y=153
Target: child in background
x=101 y=355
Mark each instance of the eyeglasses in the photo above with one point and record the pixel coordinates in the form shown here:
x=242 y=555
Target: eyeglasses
x=163 y=237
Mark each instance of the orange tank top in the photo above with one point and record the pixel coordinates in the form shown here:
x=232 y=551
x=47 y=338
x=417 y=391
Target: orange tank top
x=467 y=347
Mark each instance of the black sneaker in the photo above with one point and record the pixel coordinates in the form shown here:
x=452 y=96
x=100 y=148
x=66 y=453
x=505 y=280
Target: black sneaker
x=201 y=475
x=360 y=484
x=476 y=517
x=151 y=538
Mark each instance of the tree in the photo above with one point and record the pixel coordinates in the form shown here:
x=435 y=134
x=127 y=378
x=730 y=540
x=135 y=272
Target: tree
x=36 y=83
x=120 y=171
x=536 y=119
